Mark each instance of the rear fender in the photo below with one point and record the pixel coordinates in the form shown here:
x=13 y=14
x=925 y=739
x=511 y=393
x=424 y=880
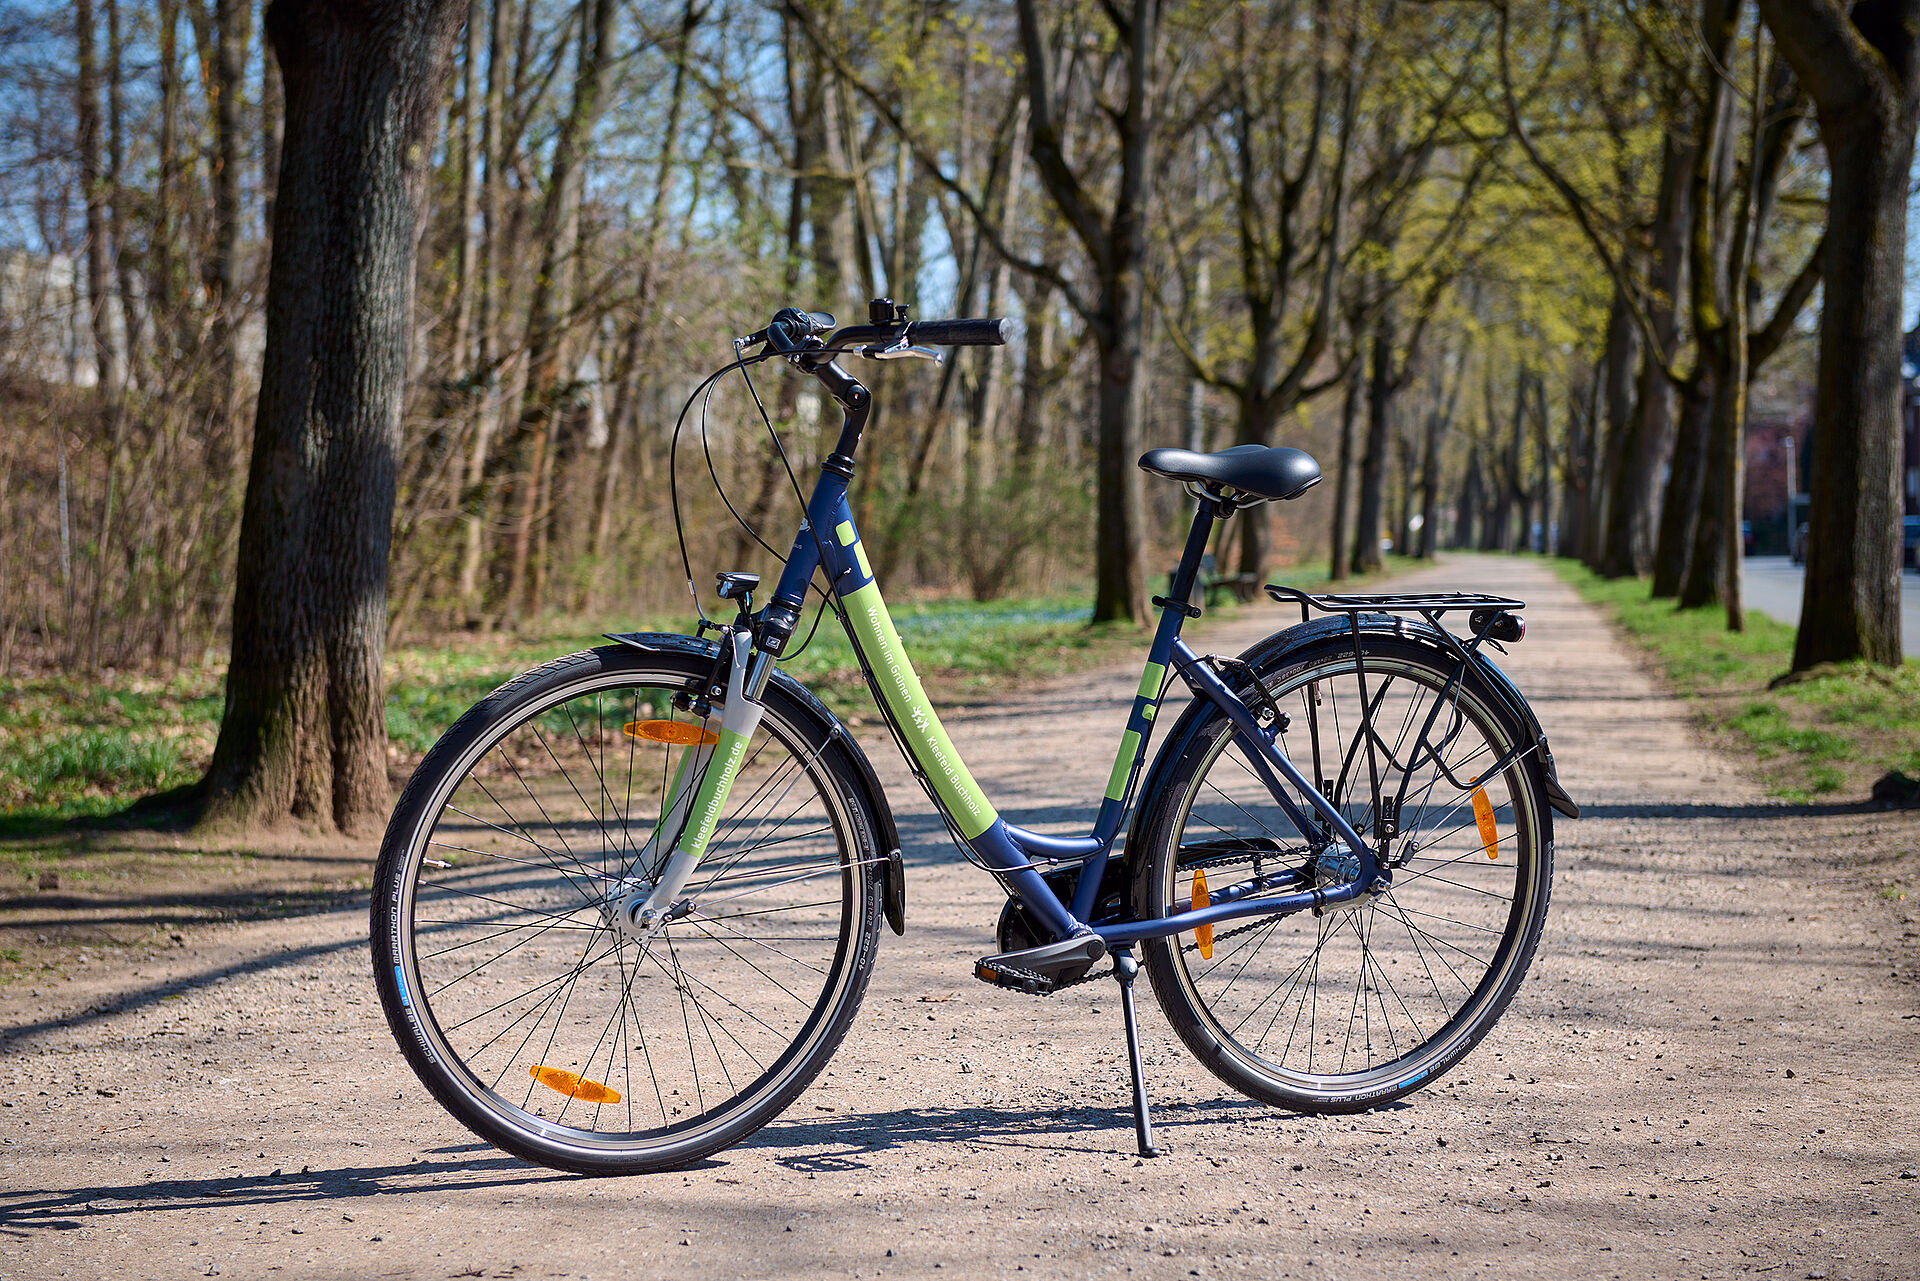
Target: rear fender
x=860 y=769
x=1275 y=650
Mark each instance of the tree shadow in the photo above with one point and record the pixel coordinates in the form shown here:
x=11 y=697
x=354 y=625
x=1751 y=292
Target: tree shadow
x=1692 y=809
x=154 y=993
x=24 y=1212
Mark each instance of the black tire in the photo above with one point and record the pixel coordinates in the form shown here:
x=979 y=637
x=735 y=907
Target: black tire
x=495 y=956
x=1350 y=1010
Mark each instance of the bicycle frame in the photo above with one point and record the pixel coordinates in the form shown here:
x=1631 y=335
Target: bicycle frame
x=829 y=539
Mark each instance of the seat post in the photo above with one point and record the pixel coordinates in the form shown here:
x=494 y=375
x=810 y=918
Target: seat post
x=1209 y=510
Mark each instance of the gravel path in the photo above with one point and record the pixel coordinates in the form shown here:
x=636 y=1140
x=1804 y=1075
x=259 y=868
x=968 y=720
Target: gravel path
x=1709 y=1073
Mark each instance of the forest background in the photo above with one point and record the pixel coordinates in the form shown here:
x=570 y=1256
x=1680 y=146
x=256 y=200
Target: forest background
x=1518 y=272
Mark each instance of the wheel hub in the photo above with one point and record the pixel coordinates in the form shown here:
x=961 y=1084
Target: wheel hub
x=622 y=910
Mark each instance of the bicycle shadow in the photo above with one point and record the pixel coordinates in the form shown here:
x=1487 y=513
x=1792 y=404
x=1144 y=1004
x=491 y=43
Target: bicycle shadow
x=850 y=1136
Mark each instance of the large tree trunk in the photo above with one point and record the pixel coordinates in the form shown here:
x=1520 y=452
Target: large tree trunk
x=303 y=734
x=1862 y=69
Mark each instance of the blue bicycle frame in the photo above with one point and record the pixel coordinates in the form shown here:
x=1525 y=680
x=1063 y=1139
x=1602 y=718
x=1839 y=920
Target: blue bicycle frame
x=829 y=539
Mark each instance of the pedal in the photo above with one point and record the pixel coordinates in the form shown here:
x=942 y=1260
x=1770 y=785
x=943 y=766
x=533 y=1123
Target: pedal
x=1037 y=971
x=1012 y=979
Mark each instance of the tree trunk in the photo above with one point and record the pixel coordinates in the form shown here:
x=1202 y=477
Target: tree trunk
x=1576 y=486
x=1115 y=239
x=475 y=496
x=549 y=322
x=93 y=192
x=1862 y=69
x=232 y=20
x=1616 y=372
x=1119 y=577
x=1629 y=540
x=303 y=734
x=1343 y=472
x=1673 y=551
x=1380 y=387
x=1517 y=461
x=1468 y=505
x=1438 y=421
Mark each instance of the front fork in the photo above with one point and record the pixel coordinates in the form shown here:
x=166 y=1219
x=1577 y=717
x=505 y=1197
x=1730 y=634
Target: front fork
x=702 y=781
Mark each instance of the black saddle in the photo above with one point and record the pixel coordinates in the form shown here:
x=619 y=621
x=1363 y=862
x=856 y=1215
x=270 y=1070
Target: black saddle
x=1257 y=470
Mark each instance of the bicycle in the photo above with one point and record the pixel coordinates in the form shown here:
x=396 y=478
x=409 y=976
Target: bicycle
x=627 y=907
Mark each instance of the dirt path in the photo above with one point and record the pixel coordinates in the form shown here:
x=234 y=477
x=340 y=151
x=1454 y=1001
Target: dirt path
x=1710 y=1073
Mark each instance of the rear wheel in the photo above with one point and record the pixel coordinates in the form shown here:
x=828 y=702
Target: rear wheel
x=529 y=1003
x=1354 y=1008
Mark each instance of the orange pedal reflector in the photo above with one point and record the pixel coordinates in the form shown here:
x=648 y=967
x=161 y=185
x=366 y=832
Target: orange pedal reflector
x=576 y=1086
x=1202 y=934
x=672 y=732
x=1483 y=815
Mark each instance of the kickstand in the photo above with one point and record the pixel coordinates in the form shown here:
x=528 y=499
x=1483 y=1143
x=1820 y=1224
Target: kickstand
x=1124 y=969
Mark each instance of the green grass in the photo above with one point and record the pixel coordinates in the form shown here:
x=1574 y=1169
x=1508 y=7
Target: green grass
x=72 y=749
x=75 y=749
x=1827 y=734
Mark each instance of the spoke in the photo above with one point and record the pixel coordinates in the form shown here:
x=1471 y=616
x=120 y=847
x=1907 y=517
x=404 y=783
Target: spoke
x=505 y=858
x=508 y=758
x=499 y=932
x=533 y=724
x=702 y=918
x=726 y=898
x=447 y=887
x=744 y=960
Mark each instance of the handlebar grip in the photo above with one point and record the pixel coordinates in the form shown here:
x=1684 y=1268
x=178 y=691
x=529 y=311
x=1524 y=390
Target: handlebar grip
x=960 y=333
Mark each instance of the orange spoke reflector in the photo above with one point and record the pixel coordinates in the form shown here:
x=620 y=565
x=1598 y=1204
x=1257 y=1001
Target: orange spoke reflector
x=1202 y=934
x=576 y=1086
x=1483 y=815
x=672 y=732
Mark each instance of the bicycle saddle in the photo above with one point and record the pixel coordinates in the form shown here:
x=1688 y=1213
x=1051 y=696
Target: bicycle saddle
x=1258 y=470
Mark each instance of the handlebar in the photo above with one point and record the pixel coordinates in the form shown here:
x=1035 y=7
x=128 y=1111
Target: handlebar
x=793 y=332
x=959 y=333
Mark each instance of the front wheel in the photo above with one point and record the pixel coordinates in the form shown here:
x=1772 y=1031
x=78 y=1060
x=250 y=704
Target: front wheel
x=1367 y=1003
x=525 y=997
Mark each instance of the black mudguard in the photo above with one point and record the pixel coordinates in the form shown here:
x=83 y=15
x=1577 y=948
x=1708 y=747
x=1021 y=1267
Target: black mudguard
x=1272 y=651
x=886 y=833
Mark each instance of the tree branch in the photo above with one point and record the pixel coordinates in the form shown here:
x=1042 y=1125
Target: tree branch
x=925 y=157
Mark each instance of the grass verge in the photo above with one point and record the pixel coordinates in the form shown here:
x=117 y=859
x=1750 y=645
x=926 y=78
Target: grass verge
x=73 y=749
x=1828 y=734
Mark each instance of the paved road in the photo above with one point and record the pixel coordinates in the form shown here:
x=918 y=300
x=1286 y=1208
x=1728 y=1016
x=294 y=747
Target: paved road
x=1773 y=584
x=1708 y=1074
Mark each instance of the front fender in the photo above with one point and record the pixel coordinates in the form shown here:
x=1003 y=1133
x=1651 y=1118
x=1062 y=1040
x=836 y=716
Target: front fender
x=886 y=833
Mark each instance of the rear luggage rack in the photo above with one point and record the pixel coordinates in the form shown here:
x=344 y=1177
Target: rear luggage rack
x=1393 y=602
x=1492 y=617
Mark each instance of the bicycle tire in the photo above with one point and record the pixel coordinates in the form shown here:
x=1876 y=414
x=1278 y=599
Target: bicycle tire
x=569 y=1042
x=1424 y=970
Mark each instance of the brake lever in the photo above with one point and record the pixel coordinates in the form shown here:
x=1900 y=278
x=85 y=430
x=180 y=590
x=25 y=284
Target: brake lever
x=901 y=351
